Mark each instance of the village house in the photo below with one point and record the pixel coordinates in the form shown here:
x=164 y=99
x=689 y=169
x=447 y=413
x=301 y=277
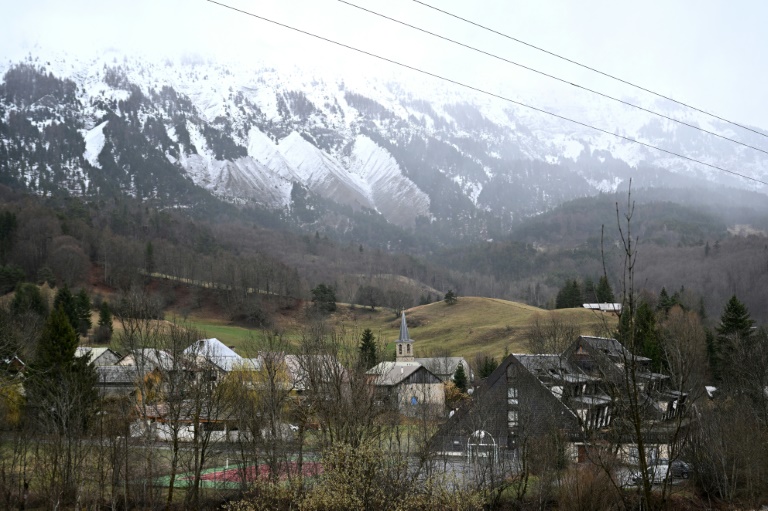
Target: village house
x=406 y=384
x=147 y=360
x=98 y=356
x=115 y=381
x=576 y=395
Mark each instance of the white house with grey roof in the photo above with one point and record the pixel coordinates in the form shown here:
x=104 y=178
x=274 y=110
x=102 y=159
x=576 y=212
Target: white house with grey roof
x=98 y=356
x=407 y=383
x=215 y=352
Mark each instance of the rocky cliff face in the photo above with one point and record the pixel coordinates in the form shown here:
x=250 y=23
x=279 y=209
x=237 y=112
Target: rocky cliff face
x=414 y=156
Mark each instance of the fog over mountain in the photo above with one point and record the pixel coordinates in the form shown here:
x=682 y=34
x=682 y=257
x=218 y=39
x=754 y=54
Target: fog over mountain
x=409 y=150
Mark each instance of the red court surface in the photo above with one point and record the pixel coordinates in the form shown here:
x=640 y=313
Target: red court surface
x=252 y=473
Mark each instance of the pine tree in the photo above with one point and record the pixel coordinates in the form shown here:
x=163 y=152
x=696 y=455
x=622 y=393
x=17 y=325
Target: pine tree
x=735 y=320
x=61 y=390
x=450 y=297
x=105 y=316
x=57 y=345
x=27 y=298
x=487 y=366
x=103 y=332
x=622 y=333
x=66 y=301
x=604 y=291
x=735 y=328
x=460 y=378
x=590 y=293
x=569 y=296
x=324 y=298
x=368 y=349
x=83 y=309
x=647 y=336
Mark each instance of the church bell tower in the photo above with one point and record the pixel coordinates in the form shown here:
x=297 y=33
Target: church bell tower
x=404 y=345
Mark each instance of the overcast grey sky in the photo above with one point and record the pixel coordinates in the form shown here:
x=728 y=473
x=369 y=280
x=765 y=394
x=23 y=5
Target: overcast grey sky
x=705 y=52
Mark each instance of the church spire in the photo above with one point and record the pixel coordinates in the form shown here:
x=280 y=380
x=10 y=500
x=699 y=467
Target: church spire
x=403 y=329
x=404 y=345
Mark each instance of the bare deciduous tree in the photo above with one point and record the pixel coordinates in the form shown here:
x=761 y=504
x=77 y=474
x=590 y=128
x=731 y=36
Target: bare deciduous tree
x=549 y=332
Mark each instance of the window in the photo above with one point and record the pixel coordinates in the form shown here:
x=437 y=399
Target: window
x=512 y=395
x=512 y=418
x=408 y=348
x=399 y=349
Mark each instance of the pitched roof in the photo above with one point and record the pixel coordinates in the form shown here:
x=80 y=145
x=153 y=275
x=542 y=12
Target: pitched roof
x=612 y=348
x=442 y=366
x=604 y=307
x=148 y=358
x=117 y=374
x=93 y=352
x=216 y=352
x=550 y=366
x=392 y=373
x=404 y=337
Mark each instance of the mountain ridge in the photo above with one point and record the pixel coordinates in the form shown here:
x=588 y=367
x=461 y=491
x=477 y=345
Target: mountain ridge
x=458 y=160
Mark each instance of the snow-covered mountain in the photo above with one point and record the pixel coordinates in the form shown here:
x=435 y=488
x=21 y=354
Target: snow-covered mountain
x=406 y=150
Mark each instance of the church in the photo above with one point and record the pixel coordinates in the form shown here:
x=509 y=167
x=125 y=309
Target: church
x=411 y=383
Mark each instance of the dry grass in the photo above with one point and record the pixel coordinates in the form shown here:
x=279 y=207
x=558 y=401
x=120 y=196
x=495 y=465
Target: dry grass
x=473 y=325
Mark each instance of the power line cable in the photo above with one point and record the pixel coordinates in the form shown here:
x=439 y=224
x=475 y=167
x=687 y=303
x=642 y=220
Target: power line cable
x=476 y=89
x=603 y=73
x=542 y=73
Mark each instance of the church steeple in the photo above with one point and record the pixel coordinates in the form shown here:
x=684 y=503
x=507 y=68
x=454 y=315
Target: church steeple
x=404 y=345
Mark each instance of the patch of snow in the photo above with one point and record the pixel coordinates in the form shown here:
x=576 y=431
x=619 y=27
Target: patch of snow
x=605 y=185
x=94 y=143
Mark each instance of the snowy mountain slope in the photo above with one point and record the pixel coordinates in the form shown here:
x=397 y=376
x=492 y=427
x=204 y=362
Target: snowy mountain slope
x=396 y=197
x=402 y=147
x=322 y=174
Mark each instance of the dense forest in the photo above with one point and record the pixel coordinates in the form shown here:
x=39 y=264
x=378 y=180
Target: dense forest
x=114 y=242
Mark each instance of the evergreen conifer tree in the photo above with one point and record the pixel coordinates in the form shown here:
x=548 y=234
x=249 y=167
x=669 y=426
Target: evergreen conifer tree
x=460 y=378
x=735 y=328
x=57 y=345
x=105 y=316
x=487 y=366
x=647 y=336
x=83 y=308
x=666 y=302
x=368 y=349
x=590 y=293
x=735 y=320
x=604 y=291
x=569 y=296
x=66 y=301
x=324 y=298
x=61 y=386
x=27 y=298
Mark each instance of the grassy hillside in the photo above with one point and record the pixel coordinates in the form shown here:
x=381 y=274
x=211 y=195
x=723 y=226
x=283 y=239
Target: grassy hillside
x=471 y=326
x=479 y=325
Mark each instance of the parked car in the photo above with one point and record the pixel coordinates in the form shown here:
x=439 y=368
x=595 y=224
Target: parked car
x=679 y=469
x=662 y=469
